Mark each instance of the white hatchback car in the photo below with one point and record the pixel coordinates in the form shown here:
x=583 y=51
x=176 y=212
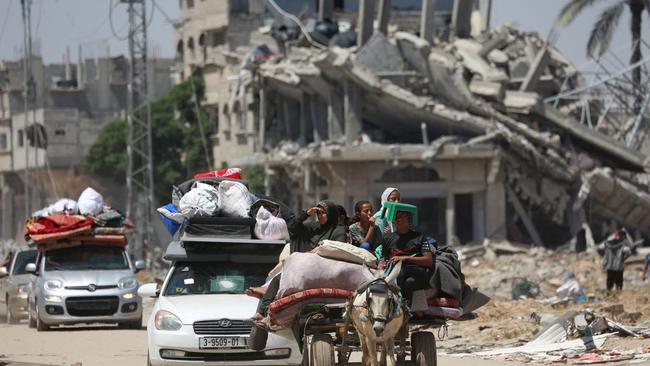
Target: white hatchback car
x=202 y=314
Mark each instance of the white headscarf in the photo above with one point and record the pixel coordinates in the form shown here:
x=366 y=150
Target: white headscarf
x=387 y=192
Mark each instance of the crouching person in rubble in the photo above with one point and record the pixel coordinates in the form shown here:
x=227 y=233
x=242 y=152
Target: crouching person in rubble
x=413 y=250
x=305 y=237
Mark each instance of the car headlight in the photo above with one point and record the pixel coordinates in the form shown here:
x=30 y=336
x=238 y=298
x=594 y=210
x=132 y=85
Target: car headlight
x=128 y=282
x=22 y=288
x=167 y=321
x=53 y=285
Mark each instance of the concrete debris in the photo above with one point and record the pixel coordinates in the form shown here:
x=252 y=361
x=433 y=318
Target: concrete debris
x=379 y=55
x=478 y=95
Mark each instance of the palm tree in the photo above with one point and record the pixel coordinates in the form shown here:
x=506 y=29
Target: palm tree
x=601 y=33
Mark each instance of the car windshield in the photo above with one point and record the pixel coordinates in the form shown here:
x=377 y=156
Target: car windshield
x=86 y=257
x=22 y=260
x=207 y=278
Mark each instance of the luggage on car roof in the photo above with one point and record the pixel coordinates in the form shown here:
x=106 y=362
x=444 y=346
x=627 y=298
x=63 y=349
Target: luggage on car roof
x=226 y=227
x=187 y=185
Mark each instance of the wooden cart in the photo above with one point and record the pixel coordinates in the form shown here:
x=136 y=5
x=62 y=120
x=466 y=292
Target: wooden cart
x=329 y=338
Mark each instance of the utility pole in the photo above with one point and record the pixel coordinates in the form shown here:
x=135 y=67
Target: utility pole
x=29 y=96
x=139 y=174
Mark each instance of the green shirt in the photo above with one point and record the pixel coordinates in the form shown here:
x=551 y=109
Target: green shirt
x=357 y=235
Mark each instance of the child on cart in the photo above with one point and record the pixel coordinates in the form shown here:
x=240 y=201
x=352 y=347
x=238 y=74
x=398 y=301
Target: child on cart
x=411 y=248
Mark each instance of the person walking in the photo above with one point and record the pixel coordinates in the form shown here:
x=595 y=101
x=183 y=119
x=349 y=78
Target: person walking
x=615 y=250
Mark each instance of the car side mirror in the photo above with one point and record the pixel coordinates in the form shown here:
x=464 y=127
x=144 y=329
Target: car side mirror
x=31 y=268
x=149 y=290
x=139 y=266
x=3 y=272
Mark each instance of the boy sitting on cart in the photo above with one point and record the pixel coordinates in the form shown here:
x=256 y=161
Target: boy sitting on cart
x=410 y=247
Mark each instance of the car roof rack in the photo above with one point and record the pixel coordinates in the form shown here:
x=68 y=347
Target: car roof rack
x=217 y=248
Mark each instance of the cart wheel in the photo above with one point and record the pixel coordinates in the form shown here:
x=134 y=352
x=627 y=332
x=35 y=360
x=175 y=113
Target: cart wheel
x=343 y=358
x=401 y=359
x=423 y=349
x=322 y=351
x=257 y=338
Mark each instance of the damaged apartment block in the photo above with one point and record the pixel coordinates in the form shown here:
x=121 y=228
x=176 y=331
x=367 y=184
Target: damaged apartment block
x=430 y=101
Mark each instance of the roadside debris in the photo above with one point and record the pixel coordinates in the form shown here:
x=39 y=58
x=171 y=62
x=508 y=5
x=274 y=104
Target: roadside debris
x=572 y=319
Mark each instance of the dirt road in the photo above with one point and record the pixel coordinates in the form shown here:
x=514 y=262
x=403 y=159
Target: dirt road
x=104 y=346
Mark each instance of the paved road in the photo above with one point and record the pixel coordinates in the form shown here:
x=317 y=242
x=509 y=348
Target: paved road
x=104 y=345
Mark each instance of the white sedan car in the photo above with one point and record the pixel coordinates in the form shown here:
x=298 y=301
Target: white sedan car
x=202 y=316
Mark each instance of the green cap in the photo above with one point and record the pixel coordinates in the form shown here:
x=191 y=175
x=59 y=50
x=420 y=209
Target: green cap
x=392 y=208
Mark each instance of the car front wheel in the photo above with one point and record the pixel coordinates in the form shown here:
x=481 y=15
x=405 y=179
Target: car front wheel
x=8 y=315
x=40 y=326
x=30 y=316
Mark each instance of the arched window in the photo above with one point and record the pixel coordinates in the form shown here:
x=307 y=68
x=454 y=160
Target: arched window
x=190 y=48
x=204 y=48
x=180 y=56
x=410 y=173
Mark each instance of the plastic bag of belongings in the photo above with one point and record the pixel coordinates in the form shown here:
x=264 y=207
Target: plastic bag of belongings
x=218 y=203
x=63 y=227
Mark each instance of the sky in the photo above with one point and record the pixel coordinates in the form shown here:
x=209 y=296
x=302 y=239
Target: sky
x=61 y=24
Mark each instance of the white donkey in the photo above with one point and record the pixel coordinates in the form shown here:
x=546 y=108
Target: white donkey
x=378 y=316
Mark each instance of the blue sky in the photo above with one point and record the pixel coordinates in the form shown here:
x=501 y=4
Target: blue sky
x=58 y=24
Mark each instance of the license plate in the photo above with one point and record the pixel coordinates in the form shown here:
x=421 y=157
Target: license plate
x=223 y=342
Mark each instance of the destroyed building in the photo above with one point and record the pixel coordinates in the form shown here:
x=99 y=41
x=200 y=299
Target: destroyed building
x=71 y=103
x=458 y=119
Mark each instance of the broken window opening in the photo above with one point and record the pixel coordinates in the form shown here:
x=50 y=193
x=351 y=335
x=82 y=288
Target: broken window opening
x=410 y=173
x=190 y=47
x=3 y=142
x=464 y=217
x=180 y=52
x=59 y=132
x=214 y=119
x=21 y=138
x=204 y=47
x=218 y=38
x=239 y=6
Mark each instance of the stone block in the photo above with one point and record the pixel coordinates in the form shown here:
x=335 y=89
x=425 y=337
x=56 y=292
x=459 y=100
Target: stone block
x=379 y=55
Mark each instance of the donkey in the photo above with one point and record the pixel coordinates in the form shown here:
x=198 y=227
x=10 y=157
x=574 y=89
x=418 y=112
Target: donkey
x=378 y=315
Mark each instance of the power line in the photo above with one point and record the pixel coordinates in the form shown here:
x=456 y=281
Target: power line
x=101 y=25
x=40 y=14
x=110 y=18
x=162 y=11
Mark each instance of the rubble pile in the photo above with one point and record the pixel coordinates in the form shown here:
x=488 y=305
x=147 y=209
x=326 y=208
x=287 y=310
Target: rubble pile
x=542 y=327
x=485 y=93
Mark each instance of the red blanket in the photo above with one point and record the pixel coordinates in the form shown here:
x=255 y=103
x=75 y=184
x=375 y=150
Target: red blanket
x=301 y=296
x=57 y=223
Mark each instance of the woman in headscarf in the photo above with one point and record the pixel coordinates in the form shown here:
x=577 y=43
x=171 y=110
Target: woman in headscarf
x=304 y=238
x=390 y=194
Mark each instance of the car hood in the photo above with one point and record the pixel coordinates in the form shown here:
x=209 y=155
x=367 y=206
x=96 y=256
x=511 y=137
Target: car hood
x=85 y=278
x=192 y=308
